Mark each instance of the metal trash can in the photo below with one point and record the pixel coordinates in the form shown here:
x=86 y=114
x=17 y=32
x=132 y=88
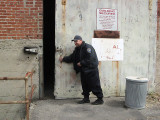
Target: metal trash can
x=136 y=92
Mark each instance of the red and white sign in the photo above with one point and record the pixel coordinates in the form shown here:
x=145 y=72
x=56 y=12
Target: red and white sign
x=108 y=49
x=107 y=19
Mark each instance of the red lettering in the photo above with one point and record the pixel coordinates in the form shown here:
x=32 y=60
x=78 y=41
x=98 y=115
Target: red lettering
x=115 y=46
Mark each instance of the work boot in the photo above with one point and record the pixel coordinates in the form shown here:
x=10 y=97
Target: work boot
x=99 y=101
x=84 y=100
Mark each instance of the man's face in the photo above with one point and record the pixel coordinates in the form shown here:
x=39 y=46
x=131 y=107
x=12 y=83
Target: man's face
x=78 y=43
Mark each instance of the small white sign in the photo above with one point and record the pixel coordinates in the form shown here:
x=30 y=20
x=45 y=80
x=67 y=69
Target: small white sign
x=108 y=49
x=107 y=19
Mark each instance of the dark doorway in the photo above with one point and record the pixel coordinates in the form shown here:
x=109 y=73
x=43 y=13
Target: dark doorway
x=49 y=46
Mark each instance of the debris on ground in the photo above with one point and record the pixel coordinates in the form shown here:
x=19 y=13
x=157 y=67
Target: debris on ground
x=153 y=96
x=152 y=99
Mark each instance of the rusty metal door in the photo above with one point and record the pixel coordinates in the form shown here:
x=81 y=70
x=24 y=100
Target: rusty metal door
x=79 y=17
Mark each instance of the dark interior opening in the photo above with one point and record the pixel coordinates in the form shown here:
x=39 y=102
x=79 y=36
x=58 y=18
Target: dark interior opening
x=49 y=46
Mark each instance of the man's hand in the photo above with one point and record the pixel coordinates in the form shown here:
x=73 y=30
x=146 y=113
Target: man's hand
x=61 y=59
x=79 y=64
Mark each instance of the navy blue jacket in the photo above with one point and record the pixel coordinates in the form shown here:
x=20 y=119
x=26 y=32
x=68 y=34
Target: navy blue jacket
x=88 y=58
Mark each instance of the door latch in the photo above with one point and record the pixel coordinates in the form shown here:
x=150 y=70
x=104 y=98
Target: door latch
x=59 y=49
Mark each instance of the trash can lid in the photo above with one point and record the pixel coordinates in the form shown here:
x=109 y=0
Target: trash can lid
x=136 y=79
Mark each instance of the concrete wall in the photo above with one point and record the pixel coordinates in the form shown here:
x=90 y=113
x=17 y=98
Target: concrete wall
x=14 y=63
x=20 y=26
x=157 y=81
x=137 y=26
x=139 y=32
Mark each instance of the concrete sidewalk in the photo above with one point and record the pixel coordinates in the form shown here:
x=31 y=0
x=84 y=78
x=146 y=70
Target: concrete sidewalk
x=112 y=109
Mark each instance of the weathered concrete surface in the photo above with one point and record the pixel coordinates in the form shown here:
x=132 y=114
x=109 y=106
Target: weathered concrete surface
x=137 y=23
x=158 y=49
x=112 y=109
x=14 y=63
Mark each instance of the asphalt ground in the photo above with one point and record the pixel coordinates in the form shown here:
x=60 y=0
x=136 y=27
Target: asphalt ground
x=112 y=109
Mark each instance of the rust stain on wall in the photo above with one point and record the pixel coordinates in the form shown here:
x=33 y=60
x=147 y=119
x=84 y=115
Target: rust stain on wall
x=115 y=65
x=63 y=15
x=150 y=4
x=157 y=80
x=100 y=64
x=158 y=15
x=73 y=77
x=63 y=2
x=106 y=34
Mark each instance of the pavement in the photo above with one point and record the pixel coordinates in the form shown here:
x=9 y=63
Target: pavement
x=112 y=109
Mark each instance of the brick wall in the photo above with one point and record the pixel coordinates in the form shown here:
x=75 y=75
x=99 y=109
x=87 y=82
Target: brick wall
x=21 y=19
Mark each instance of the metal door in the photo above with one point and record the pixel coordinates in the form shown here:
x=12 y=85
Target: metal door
x=79 y=17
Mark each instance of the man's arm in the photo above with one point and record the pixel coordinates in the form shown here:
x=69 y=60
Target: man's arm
x=67 y=59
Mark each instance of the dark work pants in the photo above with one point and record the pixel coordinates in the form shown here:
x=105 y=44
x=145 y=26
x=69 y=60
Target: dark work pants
x=91 y=83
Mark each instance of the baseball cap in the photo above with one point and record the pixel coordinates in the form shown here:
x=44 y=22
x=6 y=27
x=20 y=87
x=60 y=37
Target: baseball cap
x=77 y=37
